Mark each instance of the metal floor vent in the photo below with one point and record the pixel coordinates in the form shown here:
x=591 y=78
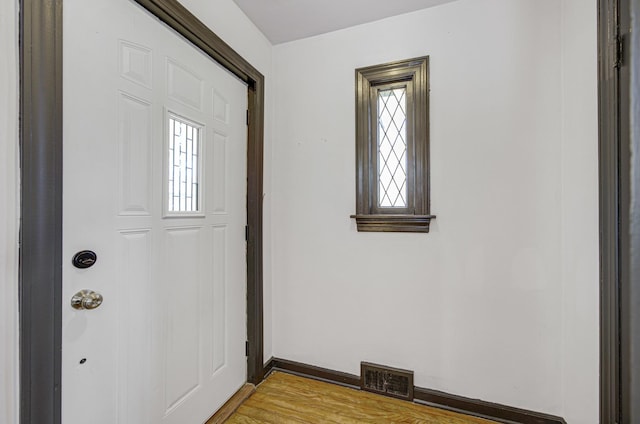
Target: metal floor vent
x=386 y=380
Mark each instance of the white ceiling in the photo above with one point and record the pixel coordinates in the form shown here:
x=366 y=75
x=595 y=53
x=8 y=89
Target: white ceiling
x=287 y=20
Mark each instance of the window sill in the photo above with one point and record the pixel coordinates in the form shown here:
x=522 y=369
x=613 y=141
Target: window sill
x=394 y=223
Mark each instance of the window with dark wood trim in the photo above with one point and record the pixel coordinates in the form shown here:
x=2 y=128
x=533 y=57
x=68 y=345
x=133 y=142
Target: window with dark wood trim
x=392 y=147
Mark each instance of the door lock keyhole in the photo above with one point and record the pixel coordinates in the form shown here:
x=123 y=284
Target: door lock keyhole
x=84 y=259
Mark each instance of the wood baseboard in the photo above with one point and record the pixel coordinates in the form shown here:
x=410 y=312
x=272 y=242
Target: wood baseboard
x=474 y=407
x=232 y=404
x=323 y=374
x=480 y=408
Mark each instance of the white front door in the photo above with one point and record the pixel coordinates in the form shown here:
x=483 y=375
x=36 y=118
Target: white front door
x=155 y=185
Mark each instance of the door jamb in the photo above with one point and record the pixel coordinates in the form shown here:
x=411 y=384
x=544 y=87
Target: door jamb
x=608 y=153
x=630 y=211
x=619 y=144
x=40 y=270
x=41 y=195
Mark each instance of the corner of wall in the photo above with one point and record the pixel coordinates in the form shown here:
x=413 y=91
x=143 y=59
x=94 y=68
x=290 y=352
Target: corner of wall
x=268 y=213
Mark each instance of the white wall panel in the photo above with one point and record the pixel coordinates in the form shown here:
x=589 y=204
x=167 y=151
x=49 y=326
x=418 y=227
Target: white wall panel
x=134 y=143
x=135 y=349
x=476 y=306
x=182 y=279
x=220 y=108
x=217 y=302
x=183 y=85
x=580 y=254
x=219 y=173
x=136 y=63
x=9 y=212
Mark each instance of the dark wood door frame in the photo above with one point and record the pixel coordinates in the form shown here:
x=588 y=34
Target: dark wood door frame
x=630 y=212
x=41 y=195
x=609 y=209
x=619 y=148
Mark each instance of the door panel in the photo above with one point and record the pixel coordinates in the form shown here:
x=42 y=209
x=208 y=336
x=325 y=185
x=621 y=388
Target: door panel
x=167 y=344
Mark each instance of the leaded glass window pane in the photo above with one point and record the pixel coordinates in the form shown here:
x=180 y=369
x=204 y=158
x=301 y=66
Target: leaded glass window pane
x=392 y=148
x=184 y=164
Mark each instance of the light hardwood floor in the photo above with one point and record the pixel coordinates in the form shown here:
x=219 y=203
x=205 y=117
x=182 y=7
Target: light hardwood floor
x=283 y=399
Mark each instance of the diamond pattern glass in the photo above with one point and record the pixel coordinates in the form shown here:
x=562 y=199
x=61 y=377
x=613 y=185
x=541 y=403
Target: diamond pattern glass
x=392 y=148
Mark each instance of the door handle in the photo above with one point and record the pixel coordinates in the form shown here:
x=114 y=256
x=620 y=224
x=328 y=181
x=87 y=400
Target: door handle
x=86 y=299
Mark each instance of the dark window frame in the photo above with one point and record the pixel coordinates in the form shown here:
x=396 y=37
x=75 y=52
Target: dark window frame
x=414 y=74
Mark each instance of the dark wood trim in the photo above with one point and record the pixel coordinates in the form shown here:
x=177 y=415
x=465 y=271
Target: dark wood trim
x=268 y=367
x=318 y=373
x=473 y=407
x=629 y=231
x=177 y=17
x=415 y=217
x=41 y=195
x=482 y=409
x=41 y=210
x=394 y=223
x=619 y=142
x=609 y=134
x=255 y=332
x=186 y=24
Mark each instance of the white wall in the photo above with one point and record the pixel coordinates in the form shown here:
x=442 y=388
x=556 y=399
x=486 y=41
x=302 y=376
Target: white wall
x=226 y=19
x=8 y=213
x=477 y=307
x=580 y=255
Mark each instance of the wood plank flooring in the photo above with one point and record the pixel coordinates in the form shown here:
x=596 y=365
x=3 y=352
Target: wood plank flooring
x=287 y=399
